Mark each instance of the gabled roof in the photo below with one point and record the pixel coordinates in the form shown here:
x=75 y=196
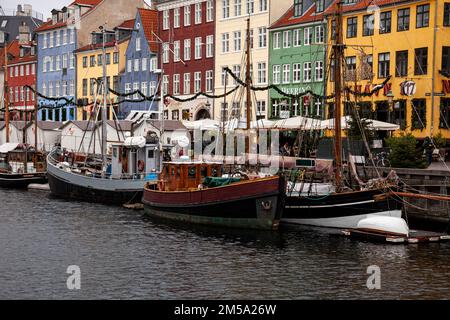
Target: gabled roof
x=82 y=125
x=363 y=4
x=18 y=59
x=125 y=125
x=13 y=50
x=288 y=19
x=149 y=19
x=127 y=24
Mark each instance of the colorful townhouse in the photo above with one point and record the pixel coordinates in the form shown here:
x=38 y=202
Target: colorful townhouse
x=231 y=33
x=68 y=29
x=298 y=60
x=408 y=41
x=141 y=57
x=187 y=31
x=21 y=73
x=90 y=71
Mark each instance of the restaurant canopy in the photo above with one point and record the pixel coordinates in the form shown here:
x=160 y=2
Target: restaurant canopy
x=372 y=124
x=204 y=125
x=298 y=123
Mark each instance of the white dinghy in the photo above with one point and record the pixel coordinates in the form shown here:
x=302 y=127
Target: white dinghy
x=384 y=225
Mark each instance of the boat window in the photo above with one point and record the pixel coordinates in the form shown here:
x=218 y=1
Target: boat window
x=214 y=172
x=151 y=154
x=173 y=172
x=204 y=171
x=192 y=172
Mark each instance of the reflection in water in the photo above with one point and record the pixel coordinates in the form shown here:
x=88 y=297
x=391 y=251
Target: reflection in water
x=125 y=255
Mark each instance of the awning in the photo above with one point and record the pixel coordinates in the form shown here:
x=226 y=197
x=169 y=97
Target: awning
x=298 y=123
x=372 y=124
x=7 y=147
x=204 y=125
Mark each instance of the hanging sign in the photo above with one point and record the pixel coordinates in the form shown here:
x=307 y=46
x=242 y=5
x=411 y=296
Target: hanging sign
x=408 y=88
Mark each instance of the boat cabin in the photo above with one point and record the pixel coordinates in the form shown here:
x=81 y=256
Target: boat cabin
x=20 y=158
x=185 y=176
x=137 y=157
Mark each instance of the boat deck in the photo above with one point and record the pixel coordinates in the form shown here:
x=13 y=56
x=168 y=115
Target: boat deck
x=415 y=236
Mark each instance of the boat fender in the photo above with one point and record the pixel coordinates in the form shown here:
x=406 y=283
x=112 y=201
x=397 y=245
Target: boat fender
x=141 y=165
x=267 y=205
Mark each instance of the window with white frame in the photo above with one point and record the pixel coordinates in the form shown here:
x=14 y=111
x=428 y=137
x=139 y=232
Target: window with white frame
x=209 y=81
x=58 y=62
x=277 y=40
x=72 y=87
x=209 y=46
x=138 y=43
x=297 y=38
x=58 y=38
x=165 y=83
x=286 y=73
x=176 y=84
x=176 y=51
x=262 y=5
x=176 y=17
x=187 y=49
x=72 y=61
x=51 y=41
x=144 y=88
x=136 y=88
x=307 y=36
x=237 y=40
x=44 y=41
x=129 y=66
x=136 y=65
x=144 y=64
x=297 y=72
x=237 y=8
x=127 y=88
x=209 y=11
x=276 y=71
x=225 y=9
x=22 y=71
x=187 y=83
x=33 y=69
x=50 y=89
x=198 y=48
x=236 y=72
x=166 y=53
x=64 y=36
x=225 y=42
x=250 y=6
x=187 y=15
x=307 y=72
x=197 y=82
x=320 y=36
x=318 y=70
x=166 y=23
x=198 y=13
x=152 y=88
x=262 y=37
x=224 y=76
x=262 y=77
x=64 y=61
x=287 y=39
x=261 y=108
x=57 y=89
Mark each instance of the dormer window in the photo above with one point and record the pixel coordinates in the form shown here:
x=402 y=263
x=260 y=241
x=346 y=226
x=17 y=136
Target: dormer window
x=320 y=6
x=22 y=52
x=298 y=8
x=55 y=18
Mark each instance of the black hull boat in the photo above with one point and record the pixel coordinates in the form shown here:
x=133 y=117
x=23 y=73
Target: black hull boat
x=339 y=210
x=21 y=180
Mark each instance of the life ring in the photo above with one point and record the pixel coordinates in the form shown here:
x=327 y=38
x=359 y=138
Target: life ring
x=141 y=165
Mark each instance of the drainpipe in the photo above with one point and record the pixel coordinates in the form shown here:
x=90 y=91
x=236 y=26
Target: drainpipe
x=433 y=71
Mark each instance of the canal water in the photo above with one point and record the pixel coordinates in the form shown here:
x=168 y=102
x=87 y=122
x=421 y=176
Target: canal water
x=123 y=255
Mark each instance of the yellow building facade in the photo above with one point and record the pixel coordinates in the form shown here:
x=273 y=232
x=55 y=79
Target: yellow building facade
x=230 y=46
x=90 y=74
x=409 y=41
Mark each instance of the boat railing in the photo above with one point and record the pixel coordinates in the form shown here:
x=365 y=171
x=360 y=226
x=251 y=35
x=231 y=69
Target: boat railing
x=142 y=176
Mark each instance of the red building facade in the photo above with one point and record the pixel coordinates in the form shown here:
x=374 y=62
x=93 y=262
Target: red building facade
x=22 y=68
x=187 y=29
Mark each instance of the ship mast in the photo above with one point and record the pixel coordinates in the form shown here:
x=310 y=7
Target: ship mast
x=248 y=81
x=6 y=93
x=338 y=54
x=105 y=94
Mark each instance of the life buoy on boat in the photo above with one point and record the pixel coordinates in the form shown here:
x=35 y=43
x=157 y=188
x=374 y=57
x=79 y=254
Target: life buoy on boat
x=141 y=165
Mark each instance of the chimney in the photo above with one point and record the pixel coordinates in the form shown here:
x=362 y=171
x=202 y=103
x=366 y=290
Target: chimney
x=24 y=33
x=28 y=9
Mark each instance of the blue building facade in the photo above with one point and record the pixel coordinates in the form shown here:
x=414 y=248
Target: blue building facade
x=56 y=70
x=141 y=63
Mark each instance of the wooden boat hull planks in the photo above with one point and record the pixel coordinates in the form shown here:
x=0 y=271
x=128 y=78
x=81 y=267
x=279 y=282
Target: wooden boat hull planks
x=21 y=180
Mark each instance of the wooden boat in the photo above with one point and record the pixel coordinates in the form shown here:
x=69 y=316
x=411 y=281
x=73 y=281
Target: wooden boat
x=21 y=165
x=197 y=193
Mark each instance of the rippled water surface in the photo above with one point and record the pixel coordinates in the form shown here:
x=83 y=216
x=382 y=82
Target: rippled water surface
x=123 y=255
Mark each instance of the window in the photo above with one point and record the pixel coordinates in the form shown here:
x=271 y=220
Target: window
x=209 y=46
x=44 y=41
x=225 y=43
x=127 y=88
x=262 y=37
x=209 y=81
x=136 y=65
x=237 y=40
x=115 y=57
x=92 y=87
x=368 y=25
x=198 y=13
x=176 y=84
x=297 y=38
x=444 y=122
x=129 y=66
x=187 y=15
x=307 y=36
x=85 y=87
x=403 y=19
x=197 y=82
x=153 y=88
x=58 y=63
x=384 y=65
x=21 y=71
x=198 y=48
x=57 y=39
x=166 y=20
x=144 y=88
x=320 y=6
x=446 y=59
x=250 y=6
x=421 y=61
x=277 y=40
x=262 y=78
x=236 y=72
x=276 y=74
x=166 y=53
x=72 y=88
x=85 y=63
x=352 y=27
x=286 y=73
x=176 y=51
x=307 y=72
x=92 y=61
x=320 y=35
x=385 y=22
x=224 y=77
x=64 y=61
x=33 y=69
x=446 y=14
x=209 y=11
x=187 y=83
x=350 y=68
x=423 y=16
x=298 y=8
x=319 y=71
x=138 y=44
x=297 y=71
x=237 y=8
x=144 y=64
x=401 y=63
x=135 y=89
x=419 y=114
x=225 y=9
x=286 y=39
x=260 y=108
x=187 y=49
x=72 y=36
